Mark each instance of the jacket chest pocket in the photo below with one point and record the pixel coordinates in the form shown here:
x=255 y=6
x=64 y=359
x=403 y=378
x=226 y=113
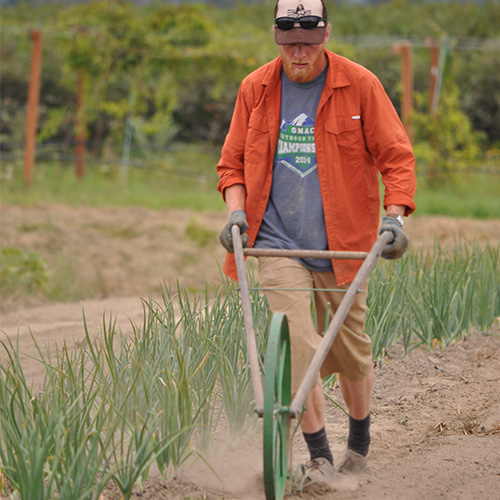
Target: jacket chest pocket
x=347 y=136
x=257 y=141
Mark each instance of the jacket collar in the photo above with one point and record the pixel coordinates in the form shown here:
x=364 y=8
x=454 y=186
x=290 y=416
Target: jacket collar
x=336 y=72
x=273 y=73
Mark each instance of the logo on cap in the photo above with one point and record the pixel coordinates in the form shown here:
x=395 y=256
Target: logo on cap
x=299 y=11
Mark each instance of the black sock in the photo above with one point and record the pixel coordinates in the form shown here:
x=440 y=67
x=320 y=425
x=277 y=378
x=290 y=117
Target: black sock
x=359 y=435
x=317 y=442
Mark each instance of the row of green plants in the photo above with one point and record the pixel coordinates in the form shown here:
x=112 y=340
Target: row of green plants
x=433 y=297
x=113 y=406
x=167 y=73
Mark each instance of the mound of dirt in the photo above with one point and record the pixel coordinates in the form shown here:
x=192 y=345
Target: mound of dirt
x=125 y=251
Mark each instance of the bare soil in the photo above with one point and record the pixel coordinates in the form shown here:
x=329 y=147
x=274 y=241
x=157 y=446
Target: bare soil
x=435 y=416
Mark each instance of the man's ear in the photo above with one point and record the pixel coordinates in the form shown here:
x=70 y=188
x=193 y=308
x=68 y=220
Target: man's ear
x=328 y=31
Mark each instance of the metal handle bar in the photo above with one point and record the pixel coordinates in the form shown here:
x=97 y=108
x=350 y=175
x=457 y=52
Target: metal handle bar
x=303 y=254
x=253 y=353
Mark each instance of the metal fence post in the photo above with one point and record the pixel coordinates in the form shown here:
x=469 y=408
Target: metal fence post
x=405 y=49
x=434 y=47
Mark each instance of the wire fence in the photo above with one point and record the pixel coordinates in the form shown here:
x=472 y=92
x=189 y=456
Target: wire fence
x=171 y=160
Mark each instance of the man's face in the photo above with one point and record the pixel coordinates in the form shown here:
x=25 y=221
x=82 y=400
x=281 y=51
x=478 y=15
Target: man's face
x=302 y=62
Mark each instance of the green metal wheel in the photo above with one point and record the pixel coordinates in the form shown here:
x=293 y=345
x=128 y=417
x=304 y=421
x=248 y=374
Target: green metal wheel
x=277 y=399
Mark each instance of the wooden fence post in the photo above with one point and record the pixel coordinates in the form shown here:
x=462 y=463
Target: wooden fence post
x=80 y=126
x=80 y=120
x=32 y=109
x=405 y=49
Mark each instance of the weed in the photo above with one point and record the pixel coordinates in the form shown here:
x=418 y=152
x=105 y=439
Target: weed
x=202 y=236
x=22 y=272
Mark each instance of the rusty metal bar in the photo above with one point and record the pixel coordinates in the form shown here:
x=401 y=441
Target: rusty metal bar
x=303 y=254
x=338 y=319
x=80 y=122
x=32 y=108
x=253 y=353
x=279 y=289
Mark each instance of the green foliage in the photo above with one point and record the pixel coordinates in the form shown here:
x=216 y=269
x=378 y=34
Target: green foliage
x=190 y=182
x=22 y=273
x=428 y=19
x=479 y=81
x=200 y=234
x=174 y=70
x=446 y=143
x=433 y=297
x=112 y=405
x=464 y=194
x=186 y=25
x=125 y=57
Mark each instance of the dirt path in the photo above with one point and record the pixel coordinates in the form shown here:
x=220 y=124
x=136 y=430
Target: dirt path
x=436 y=415
x=104 y=252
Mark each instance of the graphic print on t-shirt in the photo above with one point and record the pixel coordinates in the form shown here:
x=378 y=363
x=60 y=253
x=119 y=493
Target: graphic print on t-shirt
x=296 y=149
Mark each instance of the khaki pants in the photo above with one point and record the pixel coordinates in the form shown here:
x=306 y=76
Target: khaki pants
x=350 y=353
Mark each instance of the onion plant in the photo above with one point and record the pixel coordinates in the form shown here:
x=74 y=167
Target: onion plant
x=115 y=404
x=433 y=296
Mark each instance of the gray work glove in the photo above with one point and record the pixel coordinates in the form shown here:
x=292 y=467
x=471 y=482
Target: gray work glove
x=239 y=218
x=397 y=247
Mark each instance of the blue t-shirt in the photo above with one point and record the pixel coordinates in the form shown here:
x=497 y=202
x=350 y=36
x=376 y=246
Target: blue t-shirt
x=294 y=217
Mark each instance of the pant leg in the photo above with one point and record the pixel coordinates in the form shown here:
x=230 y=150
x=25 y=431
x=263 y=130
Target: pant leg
x=282 y=272
x=351 y=352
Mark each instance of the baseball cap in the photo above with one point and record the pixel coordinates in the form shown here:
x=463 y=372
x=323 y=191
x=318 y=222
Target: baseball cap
x=300 y=21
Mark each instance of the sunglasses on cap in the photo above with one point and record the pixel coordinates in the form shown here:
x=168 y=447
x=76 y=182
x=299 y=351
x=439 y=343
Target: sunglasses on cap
x=305 y=22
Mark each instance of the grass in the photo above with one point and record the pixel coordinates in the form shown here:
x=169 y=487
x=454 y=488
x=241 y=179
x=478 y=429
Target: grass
x=22 y=272
x=199 y=234
x=26 y=274
x=191 y=185
x=472 y=195
x=188 y=180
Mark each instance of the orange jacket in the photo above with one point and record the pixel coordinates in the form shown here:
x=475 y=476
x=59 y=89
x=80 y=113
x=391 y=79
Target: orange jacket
x=357 y=134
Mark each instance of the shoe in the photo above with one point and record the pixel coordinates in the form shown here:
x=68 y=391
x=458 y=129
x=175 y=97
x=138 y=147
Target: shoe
x=352 y=463
x=319 y=471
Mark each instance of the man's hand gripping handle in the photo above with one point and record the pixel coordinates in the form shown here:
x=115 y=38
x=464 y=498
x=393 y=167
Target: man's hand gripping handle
x=237 y=218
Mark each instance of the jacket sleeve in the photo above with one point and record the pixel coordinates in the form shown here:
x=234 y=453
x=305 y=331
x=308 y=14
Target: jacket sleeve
x=230 y=167
x=388 y=143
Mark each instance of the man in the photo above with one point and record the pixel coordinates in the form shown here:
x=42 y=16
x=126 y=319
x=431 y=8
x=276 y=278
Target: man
x=299 y=168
